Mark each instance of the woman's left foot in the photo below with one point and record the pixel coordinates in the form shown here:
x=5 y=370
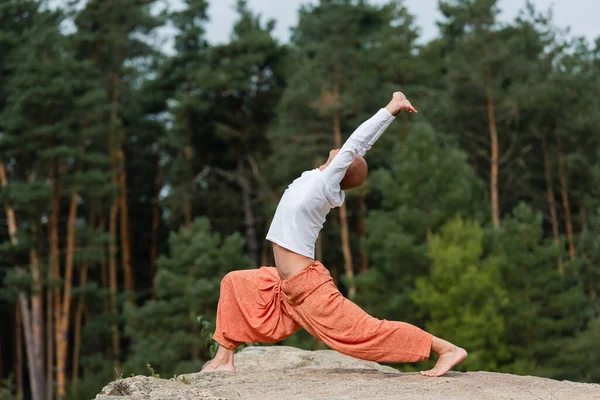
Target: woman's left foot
x=447 y=361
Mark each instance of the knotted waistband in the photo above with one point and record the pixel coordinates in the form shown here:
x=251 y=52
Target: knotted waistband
x=295 y=289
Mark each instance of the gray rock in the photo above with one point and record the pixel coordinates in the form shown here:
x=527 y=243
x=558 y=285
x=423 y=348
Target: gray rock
x=278 y=372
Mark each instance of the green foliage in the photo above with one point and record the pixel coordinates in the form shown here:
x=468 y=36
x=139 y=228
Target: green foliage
x=206 y=333
x=427 y=184
x=219 y=130
x=7 y=389
x=463 y=297
x=548 y=306
x=151 y=371
x=589 y=256
x=340 y=67
x=581 y=356
x=187 y=283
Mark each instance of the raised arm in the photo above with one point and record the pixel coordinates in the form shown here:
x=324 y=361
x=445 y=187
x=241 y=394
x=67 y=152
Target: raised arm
x=364 y=137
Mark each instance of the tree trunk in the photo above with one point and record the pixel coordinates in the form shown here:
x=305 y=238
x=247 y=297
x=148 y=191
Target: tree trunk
x=55 y=263
x=18 y=353
x=155 y=221
x=551 y=202
x=125 y=240
x=78 y=323
x=55 y=254
x=49 y=344
x=114 y=209
x=34 y=359
x=565 y=198
x=36 y=303
x=362 y=231
x=83 y=272
x=249 y=219
x=35 y=374
x=37 y=321
x=187 y=198
x=493 y=157
x=62 y=323
x=345 y=237
x=113 y=282
x=348 y=269
x=117 y=156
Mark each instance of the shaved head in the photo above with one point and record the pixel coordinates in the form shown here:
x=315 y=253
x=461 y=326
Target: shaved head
x=356 y=174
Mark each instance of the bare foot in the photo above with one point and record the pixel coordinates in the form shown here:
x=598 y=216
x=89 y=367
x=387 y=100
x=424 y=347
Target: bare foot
x=223 y=361
x=446 y=361
x=215 y=365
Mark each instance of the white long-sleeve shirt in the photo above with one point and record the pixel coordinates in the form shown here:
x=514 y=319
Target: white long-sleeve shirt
x=305 y=204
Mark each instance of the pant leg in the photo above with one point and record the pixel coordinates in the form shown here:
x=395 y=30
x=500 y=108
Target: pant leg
x=345 y=327
x=250 y=309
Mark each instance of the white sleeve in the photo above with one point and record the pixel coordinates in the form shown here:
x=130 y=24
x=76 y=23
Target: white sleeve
x=357 y=144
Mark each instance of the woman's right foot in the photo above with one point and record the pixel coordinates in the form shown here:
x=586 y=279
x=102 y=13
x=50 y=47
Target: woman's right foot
x=450 y=357
x=223 y=361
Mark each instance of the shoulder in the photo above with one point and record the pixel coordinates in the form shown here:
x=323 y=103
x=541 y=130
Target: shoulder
x=332 y=191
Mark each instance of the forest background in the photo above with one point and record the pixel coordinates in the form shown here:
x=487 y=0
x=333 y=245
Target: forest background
x=132 y=181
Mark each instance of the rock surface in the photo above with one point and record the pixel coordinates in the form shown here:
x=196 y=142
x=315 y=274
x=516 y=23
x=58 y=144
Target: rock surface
x=278 y=372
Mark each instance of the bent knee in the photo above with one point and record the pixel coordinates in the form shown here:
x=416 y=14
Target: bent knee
x=227 y=279
x=234 y=276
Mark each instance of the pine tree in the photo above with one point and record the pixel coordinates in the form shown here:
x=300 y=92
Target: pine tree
x=244 y=80
x=547 y=309
x=111 y=35
x=178 y=80
x=339 y=78
x=16 y=18
x=463 y=296
x=187 y=292
x=427 y=184
x=581 y=355
x=481 y=62
x=54 y=107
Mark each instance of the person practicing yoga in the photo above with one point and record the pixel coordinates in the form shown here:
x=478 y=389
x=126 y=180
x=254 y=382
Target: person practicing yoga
x=271 y=303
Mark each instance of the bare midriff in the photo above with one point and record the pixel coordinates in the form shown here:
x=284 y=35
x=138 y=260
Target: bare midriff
x=289 y=263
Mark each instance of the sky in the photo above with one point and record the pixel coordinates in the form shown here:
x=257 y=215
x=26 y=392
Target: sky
x=581 y=15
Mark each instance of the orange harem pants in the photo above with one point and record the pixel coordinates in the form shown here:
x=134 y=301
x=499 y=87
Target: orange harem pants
x=258 y=306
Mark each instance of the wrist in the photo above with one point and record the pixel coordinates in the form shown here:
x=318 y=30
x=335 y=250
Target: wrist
x=392 y=109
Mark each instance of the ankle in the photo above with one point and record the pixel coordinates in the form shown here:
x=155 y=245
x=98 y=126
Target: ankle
x=441 y=346
x=224 y=356
x=222 y=359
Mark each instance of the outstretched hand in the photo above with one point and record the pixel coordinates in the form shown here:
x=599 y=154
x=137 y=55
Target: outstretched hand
x=399 y=103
